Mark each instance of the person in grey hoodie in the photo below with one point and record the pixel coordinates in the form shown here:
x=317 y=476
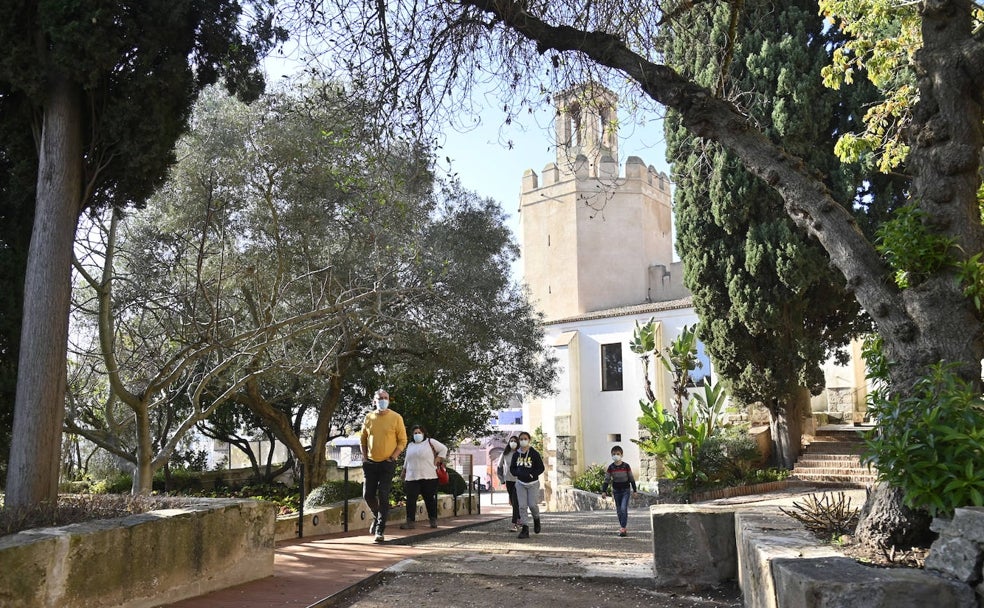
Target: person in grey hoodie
x=527 y=466
x=505 y=476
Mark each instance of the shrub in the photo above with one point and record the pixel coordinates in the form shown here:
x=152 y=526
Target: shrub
x=121 y=483
x=728 y=457
x=591 y=479
x=332 y=492
x=930 y=443
x=826 y=517
x=181 y=480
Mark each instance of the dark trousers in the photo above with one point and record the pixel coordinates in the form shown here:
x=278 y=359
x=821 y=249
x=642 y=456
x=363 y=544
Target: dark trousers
x=417 y=487
x=622 y=505
x=513 y=501
x=376 y=489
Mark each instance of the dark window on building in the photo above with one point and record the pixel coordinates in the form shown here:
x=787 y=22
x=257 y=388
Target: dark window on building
x=611 y=367
x=614 y=437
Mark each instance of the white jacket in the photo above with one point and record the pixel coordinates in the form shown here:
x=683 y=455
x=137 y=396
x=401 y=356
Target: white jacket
x=419 y=460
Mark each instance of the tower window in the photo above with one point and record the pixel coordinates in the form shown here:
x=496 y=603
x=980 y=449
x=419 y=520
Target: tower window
x=611 y=367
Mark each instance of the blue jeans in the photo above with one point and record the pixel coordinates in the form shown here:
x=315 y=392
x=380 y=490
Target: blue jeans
x=622 y=505
x=376 y=489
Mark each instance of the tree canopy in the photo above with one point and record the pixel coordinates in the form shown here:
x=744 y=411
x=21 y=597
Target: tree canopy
x=110 y=86
x=291 y=263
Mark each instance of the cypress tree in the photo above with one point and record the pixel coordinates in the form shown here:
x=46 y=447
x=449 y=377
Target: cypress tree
x=772 y=309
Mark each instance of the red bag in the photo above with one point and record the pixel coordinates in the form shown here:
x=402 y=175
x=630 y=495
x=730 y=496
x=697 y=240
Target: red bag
x=442 y=473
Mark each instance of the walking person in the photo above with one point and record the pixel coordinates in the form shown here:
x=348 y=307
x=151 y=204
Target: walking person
x=527 y=466
x=619 y=477
x=424 y=454
x=506 y=477
x=383 y=439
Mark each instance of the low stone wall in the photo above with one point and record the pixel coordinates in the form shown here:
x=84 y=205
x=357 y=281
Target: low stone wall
x=139 y=561
x=330 y=519
x=572 y=499
x=781 y=565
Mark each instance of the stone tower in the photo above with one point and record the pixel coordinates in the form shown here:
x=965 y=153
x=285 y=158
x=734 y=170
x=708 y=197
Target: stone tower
x=594 y=238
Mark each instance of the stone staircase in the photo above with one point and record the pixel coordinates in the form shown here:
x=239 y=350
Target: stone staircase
x=833 y=457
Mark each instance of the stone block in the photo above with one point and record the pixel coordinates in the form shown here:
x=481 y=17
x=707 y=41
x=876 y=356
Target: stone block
x=708 y=535
x=762 y=536
x=839 y=582
x=956 y=557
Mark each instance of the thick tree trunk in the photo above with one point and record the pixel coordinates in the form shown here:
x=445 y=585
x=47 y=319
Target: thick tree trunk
x=32 y=476
x=143 y=473
x=786 y=427
x=886 y=522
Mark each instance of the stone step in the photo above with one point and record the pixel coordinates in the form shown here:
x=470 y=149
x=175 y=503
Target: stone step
x=849 y=471
x=831 y=464
x=842 y=479
x=809 y=456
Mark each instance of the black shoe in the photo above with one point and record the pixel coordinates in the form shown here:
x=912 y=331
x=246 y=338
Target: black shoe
x=379 y=538
x=536 y=526
x=433 y=522
x=408 y=526
x=524 y=533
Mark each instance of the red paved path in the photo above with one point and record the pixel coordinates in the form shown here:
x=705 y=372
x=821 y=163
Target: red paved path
x=308 y=571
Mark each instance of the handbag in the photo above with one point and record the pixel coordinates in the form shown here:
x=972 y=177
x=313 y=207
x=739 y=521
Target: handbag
x=442 y=473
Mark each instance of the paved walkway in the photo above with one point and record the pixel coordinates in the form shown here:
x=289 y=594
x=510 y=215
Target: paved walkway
x=310 y=571
x=468 y=553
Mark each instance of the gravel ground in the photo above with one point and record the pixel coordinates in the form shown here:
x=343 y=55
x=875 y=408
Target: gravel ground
x=577 y=562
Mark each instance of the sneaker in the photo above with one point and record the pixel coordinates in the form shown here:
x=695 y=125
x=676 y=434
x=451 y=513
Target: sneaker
x=622 y=532
x=408 y=526
x=379 y=538
x=524 y=533
x=536 y=526
x=515 y=528
x=433 y=522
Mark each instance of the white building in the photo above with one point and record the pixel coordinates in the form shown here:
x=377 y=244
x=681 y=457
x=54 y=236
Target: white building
x=597 y=256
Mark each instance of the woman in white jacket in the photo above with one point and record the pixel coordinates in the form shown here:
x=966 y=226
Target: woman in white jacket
x=420 y=474
x=506 y=477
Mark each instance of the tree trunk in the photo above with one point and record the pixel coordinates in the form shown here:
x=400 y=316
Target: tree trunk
x=143 y=473
x=786 y=427
x=39 y=407
x=886 y=522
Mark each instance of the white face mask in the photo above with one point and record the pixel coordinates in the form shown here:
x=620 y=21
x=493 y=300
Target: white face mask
x=617 y=457
x=524 y=443
x=512 y=445
x=382 y=404
x=418 y=437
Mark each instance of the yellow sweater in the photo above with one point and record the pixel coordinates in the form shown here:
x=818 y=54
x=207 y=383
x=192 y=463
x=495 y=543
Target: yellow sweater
x=382 y=434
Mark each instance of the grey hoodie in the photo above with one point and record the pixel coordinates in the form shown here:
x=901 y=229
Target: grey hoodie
x=502 y=469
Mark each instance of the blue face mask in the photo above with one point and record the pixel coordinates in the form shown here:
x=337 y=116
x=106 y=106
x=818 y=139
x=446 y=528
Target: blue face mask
x=382 y=404
x=617 y=457
x=418 y=437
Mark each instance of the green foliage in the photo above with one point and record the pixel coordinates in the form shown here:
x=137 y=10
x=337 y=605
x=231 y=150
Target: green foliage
x=644 y=338
x=591 y=479
x=930 y=442
x=118 y=484
x=772 y=309
x=911 y=249
x=332 y=492
x=456 y=485
x=728 y=458
x=177 y=480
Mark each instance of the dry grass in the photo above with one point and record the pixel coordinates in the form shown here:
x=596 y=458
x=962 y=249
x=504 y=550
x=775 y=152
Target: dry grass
x=77 y=508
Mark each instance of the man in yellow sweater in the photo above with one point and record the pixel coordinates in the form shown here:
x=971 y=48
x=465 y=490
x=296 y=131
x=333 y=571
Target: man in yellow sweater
x=384 y=437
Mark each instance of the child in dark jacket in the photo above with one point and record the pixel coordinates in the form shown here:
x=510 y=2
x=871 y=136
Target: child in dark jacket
x=619 y=477
x=527 y=466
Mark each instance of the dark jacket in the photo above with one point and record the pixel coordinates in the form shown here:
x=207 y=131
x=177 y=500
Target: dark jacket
x=526 y=467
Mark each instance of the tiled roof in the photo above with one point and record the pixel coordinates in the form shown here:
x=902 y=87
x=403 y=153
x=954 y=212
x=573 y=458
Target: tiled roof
x=625 y=311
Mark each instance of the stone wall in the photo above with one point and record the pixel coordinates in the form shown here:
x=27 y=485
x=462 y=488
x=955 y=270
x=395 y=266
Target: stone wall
x=330 y=519
x=139 y=561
